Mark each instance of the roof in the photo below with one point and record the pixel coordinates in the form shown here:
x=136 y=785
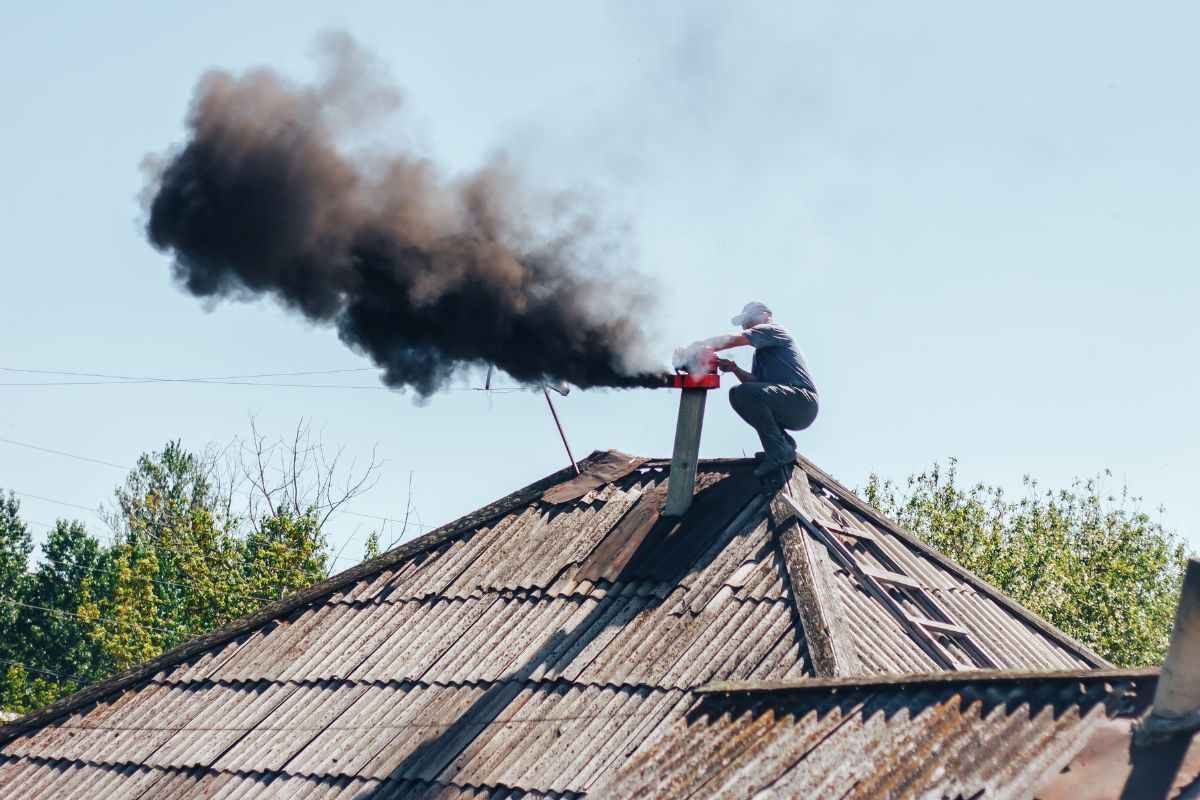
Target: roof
x=533 y=647
x=990 y=734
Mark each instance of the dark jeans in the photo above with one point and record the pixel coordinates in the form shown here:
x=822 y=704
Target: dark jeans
x=773 y=409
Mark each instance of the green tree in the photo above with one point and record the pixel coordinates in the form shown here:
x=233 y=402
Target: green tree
x=373 y=547
x=15 y=547
x=185 y=563
x=45 y=651
x=181 y=563
x=22 y=692
x=1093 y=564
x=161 y=488
x=54 y=637
x=286 y=553
x=126 y=624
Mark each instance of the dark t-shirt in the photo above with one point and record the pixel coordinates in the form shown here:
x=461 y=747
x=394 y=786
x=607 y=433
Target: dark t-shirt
x=777 y=359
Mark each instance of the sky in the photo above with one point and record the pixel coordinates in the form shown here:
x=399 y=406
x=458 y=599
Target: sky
x=979 y=222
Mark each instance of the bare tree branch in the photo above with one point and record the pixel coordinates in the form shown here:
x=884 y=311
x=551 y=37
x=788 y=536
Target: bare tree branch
x=298 y=473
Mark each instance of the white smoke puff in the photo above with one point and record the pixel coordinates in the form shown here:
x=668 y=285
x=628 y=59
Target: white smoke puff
x=695 y=359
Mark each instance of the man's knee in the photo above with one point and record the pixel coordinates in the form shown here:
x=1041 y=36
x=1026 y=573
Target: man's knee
x=738 y=395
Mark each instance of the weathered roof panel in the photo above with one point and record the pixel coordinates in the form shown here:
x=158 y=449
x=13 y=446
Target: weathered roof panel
x=994 y=736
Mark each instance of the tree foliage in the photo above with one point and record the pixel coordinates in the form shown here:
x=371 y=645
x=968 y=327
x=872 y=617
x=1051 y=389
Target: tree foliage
x=1094 y=564
x=189 y=553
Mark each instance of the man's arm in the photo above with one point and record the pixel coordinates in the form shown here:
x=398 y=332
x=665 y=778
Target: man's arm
x=704 y=350
x=727 y=342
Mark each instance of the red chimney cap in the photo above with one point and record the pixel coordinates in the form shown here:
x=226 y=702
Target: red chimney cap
x=684 y=380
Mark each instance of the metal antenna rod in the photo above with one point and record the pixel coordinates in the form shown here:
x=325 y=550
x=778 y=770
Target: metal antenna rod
x=561 y=433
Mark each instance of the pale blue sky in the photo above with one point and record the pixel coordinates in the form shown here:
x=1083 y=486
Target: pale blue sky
x=979 y=221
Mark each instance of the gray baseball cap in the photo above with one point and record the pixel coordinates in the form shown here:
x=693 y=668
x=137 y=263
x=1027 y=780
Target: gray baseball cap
x=752 y=309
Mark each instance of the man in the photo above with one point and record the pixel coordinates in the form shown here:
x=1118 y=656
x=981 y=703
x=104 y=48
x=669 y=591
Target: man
x=777 y=394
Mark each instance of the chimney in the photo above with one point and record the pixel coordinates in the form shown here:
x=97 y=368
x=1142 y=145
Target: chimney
x=1177 y=697
x=682 y=481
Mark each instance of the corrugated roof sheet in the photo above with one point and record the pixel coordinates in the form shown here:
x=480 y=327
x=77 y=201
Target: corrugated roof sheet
x=996 y=736
x=505 y=653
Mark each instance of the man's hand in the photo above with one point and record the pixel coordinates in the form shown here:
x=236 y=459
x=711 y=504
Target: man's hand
x=729 y=365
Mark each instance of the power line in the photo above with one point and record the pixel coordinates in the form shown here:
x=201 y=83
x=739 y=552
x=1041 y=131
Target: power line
x=97 y=513
x=77 y=615
x=335 y=727
x=371 y=387
x=140 y=378
x=66 y=454
x=126 y=468
x=99 y=568
x=40 y=671
x=56 y=502
x=110 y=379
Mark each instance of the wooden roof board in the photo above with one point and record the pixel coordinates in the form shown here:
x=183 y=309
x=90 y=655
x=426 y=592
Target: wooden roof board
x=614 y=551
x=673 y=547
x=609 y=468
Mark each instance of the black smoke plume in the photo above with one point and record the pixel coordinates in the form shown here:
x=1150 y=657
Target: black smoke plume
x=426 y=275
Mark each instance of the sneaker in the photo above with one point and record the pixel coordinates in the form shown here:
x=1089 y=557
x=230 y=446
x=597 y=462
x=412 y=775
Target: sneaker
x=767 y=468
x=773 y=479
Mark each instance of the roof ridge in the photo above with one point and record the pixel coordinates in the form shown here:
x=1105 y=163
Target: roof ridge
x=946 y=677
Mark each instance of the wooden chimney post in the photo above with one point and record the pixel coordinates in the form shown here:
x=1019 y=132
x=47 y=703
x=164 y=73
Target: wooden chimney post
x=682 y=482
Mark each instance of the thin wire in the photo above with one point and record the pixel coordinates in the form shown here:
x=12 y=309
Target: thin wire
x=66 y=454
x=61 y=613
x=57 y=502
x=26 y=385
x=40 y=671
x=97 y=513
x=98 y=568
x=499 y=390
x=384 y=519
x=377 y=726
x=77 y=374
x=101 y=517
x=234 y=380
x=127 y=468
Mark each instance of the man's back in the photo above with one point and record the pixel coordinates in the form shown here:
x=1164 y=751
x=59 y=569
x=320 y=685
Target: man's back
x=777 y=359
